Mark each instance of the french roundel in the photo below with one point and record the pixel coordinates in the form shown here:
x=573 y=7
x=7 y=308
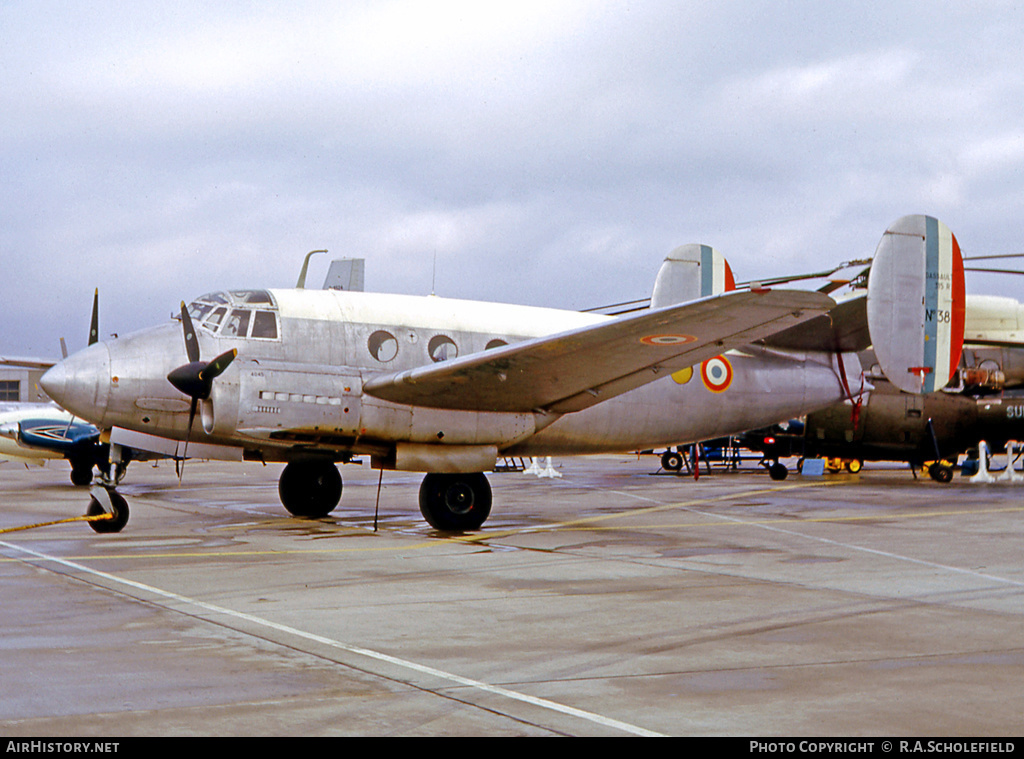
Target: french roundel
x=667 y=339
x=716 y=374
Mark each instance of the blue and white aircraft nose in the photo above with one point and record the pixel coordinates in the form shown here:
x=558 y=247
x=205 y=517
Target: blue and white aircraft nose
x=81 y=383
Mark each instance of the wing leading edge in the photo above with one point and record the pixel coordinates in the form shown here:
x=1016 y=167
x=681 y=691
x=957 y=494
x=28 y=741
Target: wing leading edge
x=580 y=368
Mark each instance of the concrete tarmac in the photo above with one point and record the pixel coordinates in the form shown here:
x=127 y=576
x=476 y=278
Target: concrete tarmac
x=610 y=601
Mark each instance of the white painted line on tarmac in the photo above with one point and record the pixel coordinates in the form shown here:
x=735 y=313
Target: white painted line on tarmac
x=543 y=703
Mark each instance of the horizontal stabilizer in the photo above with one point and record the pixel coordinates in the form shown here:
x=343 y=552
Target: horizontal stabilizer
x=577 y=369
x=844 y=328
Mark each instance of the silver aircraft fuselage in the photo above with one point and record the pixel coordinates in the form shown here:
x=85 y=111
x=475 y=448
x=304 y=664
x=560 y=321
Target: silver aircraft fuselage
x=296 y=387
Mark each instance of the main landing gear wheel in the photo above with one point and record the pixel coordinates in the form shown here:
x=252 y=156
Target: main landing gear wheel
x=118 y=508
x=455 y=502
x=941 y=473
x=671 y=461
x=778 y=471
x=310 y=488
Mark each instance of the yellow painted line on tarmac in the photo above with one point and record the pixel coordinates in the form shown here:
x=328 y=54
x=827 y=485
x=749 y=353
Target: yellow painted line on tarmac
x=138 y=551
x=590 y=523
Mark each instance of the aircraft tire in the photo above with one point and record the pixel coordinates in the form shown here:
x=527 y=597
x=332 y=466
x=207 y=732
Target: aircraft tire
x=778 y=471
x=81 y=475
x=455 y=502
x=940 y=473
x=120 y=506
x=671 y=461
x=310 y=489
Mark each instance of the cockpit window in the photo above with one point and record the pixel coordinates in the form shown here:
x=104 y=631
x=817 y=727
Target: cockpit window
x=214 y=298
x=265 y=325
x=198 y=310
x=254 y=297
x=237 y=324
x=231 y=314
x=213 y=320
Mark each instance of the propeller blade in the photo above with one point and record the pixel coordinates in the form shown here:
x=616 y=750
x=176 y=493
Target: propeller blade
x=986 y=258
x=94 y=325
x=188 y=435
x=994 y=271
x=191 y=341
x=216 y=367
x=195 y=379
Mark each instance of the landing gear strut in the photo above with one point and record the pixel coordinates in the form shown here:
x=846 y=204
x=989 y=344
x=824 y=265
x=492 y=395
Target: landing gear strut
x=310 y=488
x=105 y=498
x=455 y=502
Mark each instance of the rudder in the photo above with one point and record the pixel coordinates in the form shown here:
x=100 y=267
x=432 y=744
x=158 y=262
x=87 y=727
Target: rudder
x=690 y=272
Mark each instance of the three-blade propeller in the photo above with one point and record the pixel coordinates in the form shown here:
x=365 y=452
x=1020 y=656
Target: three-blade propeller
x=195 y=379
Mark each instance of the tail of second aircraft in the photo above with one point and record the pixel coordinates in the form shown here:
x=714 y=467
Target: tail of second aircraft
x=915 y=304
x=912 y=313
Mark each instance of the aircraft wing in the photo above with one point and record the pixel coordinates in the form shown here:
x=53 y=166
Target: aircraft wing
x=577 y=369
x=26 y=363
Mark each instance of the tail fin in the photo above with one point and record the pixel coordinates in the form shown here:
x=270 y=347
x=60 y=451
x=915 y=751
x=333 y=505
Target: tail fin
x=915 y=304
x=912 y=314
x=690 y=272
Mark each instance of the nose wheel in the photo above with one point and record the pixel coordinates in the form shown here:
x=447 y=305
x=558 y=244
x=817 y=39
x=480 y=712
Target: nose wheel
x=108 y=503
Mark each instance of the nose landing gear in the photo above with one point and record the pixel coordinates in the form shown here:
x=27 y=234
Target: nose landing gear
x=107 y=501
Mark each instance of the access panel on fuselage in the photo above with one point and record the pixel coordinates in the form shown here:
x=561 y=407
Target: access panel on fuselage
x=316 y=400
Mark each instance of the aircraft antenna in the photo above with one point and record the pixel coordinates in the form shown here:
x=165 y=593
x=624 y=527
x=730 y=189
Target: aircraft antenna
x=301 y=284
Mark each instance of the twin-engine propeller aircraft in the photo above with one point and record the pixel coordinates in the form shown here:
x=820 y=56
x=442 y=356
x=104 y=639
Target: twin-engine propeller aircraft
x=445 y=387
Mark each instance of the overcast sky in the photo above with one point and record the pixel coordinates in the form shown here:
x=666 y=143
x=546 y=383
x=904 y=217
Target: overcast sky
x=548 y=153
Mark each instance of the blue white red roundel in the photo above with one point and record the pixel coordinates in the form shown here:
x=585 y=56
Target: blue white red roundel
x=716 y=374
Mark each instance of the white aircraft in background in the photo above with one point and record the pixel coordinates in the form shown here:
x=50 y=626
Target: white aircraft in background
x=33 y=433
x=445 y=387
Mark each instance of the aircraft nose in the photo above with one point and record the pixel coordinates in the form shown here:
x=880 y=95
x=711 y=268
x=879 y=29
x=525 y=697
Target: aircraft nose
x=80 y=383
x=53 y=381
